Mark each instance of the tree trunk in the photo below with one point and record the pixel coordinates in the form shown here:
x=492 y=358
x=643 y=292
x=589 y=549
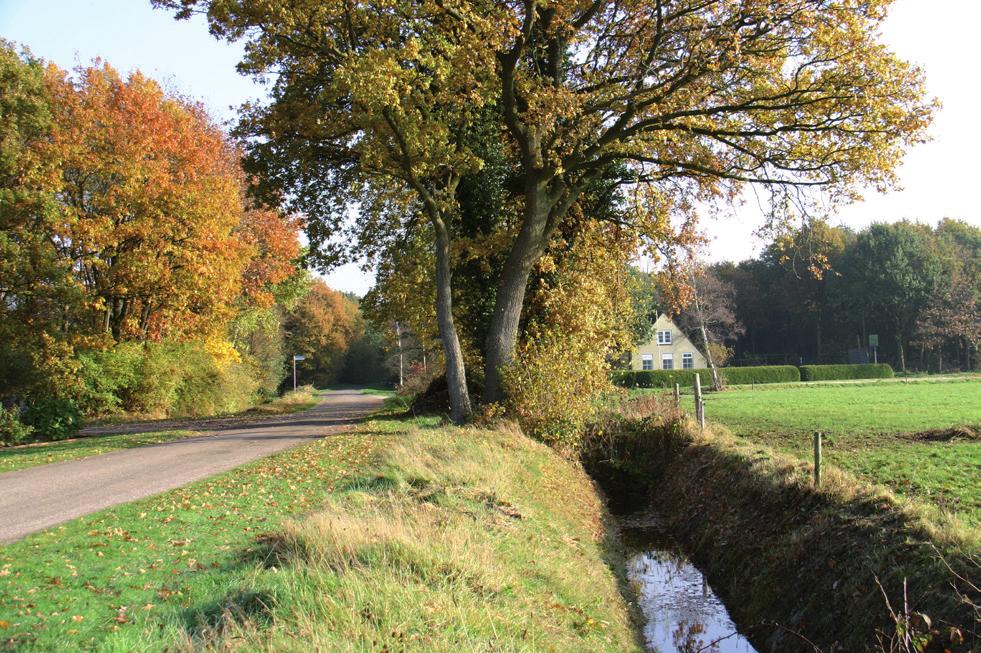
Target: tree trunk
x=817 y=339
x=901 y=350
x=502 y=333
x=716 y=379
x=398 y=336
x=456 y=376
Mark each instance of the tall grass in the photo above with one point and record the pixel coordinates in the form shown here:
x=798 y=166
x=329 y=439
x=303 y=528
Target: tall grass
x=454 y=540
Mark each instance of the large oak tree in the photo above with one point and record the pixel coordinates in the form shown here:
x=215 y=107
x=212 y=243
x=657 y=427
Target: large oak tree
x=696 y=98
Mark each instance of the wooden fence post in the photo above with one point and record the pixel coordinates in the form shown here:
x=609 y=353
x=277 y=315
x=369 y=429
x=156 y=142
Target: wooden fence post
x=677 y=395
x=817 y=459
x=699 y=403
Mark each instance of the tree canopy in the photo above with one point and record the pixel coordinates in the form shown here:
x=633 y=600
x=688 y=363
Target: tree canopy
x=692 y=99
x=915 y=286
x=134 y=272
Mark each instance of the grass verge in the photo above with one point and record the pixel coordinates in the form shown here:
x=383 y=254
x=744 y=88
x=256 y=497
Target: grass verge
x=31 y=455
x=404 y=535
x=42 y=453
x=293 y=401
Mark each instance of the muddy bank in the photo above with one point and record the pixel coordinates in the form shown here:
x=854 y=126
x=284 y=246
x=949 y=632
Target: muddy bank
x=799 y=569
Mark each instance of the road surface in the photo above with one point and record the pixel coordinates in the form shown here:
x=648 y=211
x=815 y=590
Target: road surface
x=34 y=499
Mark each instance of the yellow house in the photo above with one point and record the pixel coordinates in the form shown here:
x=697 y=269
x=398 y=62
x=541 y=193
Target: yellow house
x=668 y=349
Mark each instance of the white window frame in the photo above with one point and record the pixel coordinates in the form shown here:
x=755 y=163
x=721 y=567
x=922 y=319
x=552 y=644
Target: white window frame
x=647 y=362
x=667 y=358
x=688 y=360
x=664 y=337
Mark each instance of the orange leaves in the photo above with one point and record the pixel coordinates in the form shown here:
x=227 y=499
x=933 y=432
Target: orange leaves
x=323 y=326
x=277 y=247
x=151 y=196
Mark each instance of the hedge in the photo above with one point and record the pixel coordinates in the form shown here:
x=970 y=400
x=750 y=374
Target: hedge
x=840 y=372
x=659 y=378
x=730 y=375
x=761 y=374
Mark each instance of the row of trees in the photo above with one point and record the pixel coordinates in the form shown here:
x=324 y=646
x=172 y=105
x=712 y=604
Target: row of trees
x=816 y=295
x=134 y=272
x=479 y=139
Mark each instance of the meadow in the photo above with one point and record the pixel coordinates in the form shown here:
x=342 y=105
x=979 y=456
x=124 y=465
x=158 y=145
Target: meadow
x=919 y=438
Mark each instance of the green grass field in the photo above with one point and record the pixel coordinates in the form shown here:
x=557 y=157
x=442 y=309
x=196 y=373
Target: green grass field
x=888 y=433
x=404 y=535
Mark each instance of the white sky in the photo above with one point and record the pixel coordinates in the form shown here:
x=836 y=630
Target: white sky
x=938 y=177
x=939 y=35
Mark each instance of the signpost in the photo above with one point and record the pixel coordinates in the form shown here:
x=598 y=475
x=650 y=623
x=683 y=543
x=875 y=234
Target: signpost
x=874 y=344
x=297 y=357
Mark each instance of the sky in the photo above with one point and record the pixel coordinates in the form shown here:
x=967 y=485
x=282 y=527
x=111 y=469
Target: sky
x=938 y=177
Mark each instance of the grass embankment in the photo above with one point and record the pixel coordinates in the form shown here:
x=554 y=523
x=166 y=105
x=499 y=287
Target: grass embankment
x=792 y=561
x=919 y=439
x=404 y=535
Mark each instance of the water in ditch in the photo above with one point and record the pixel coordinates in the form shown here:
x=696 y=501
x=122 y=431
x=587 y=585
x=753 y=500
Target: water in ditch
x=682 y=613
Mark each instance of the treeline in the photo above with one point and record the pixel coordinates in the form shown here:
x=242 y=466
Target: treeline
x=817 y=295
x=135 y=275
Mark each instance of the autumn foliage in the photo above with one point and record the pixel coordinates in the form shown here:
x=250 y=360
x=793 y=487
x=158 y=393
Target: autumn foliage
x=323 y=327
x=134 y=272
x=150 y=197
x=688 y=103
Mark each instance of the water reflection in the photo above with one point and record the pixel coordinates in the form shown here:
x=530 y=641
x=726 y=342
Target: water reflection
x=683 y=613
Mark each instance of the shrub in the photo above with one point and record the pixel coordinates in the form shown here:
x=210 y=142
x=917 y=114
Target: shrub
x=686 y=378
x=434 y=398
x=12 y=430
x=761 y=374
x=108 y=378
x=53 y=418
x=188 y=378
x=841 y=372
x=552 y=387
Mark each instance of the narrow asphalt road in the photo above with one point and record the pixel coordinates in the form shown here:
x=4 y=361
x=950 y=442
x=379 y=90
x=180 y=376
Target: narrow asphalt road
x=36 y=498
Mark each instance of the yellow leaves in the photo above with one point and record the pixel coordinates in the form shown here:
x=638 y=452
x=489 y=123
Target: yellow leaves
x=575 y=321
x=223 y=352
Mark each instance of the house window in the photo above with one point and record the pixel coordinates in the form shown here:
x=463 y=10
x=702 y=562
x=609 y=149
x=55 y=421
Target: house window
x=647 y=361
x=687 y=360
x=667 y=361
x=664 y=337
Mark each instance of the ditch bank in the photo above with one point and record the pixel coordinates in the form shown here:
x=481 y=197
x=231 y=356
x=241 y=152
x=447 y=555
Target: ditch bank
x=799 y=568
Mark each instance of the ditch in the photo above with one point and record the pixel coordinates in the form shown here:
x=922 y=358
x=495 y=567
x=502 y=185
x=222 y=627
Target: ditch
x=681 y=610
